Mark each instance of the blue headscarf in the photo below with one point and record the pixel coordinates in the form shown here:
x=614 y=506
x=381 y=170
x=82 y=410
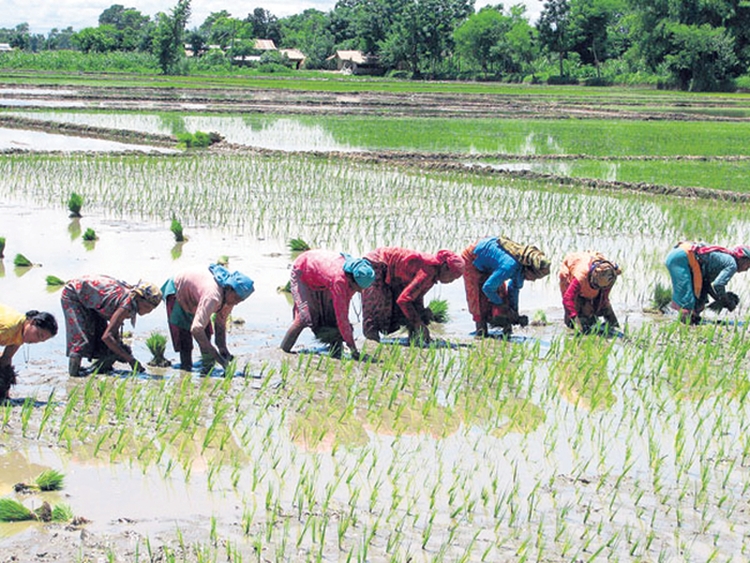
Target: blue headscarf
x=361 y=269
x=239 y=282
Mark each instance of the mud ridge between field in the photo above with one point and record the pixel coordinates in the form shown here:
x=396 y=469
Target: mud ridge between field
x=440 y=162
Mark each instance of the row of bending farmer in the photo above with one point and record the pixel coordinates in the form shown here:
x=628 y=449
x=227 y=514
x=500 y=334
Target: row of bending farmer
x=394 y=281
x=700 y=271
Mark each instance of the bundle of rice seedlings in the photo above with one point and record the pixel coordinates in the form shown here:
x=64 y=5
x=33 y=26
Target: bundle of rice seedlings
x=661 y=298
x=47 y=480
x=13 y=511
x=2 y=247
x=20 y=261
x=90 y=235
x=157 y=345
x=176 y=229
x=298 y=245
x=54 y=280
x=75 y=202
x=50 y=480
x=439 y=308
x=223 y=260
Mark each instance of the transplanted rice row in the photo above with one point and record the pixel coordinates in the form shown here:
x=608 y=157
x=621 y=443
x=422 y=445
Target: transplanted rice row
x=561 y=453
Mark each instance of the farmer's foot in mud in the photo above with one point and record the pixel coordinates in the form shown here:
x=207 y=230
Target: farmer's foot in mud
x=481 y=330
x=74 y=367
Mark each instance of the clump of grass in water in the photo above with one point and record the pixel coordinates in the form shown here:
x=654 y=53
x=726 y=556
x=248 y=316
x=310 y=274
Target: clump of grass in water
x=20 y=261
x=54 y=280
x=90 y=235
x=661 y=298
x=75 y=202
x=298 y=245
x=439 y=308
x=157 y=345
x=2 y=247
x=176 y=229
x=540 y=319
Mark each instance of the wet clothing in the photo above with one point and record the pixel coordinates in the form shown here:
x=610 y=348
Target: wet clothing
x=322 y=292
x=697 y=274
x=579 y=297
x=11 y=326
x=492 y=277
x=396 y=298
x=88 y=303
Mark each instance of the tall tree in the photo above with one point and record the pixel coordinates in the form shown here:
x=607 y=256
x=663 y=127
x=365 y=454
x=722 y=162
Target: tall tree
x=264 y=25
x=596 y=30
x=167 y=43
x=310 y=33
x=555 y=29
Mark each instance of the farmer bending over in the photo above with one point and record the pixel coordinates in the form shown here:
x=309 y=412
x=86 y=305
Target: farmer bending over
x=396 y=297
x=495 y=269
x=698 y=271
x=17 y=329
x=586 y=278
x=323 y=284
x=191 y=298
x=95 y=308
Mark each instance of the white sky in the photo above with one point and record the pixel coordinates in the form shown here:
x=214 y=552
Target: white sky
x=43 y=15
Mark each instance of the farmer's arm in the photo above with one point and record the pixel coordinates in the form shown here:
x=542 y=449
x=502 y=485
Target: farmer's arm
x=220 y=326
x=111 y=336
x=201 y=320
x=412 y=294
x=8 y=353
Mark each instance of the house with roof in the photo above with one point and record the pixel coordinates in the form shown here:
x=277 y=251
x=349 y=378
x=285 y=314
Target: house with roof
x=356 y=62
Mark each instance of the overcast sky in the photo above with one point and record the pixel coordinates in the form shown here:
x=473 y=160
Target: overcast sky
x=43 y=15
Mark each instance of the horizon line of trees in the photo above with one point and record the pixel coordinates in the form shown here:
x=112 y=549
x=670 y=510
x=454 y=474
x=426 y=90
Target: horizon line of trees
x=692 y=44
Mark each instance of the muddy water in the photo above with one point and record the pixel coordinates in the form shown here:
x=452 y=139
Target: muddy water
x=40 y=141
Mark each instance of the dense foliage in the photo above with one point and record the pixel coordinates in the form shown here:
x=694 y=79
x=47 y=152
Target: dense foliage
x=692 y=45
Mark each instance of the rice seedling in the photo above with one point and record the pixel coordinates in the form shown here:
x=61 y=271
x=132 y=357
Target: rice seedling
x=298 y=245
x=75 y=203
x=157 y=345
x=54 y=281
x=176 y=228
x=13 y=511
x=661 y=298
x=2 y=247
x=20 y=261
x=439 y=308
x=48 y=480
x=89 y=235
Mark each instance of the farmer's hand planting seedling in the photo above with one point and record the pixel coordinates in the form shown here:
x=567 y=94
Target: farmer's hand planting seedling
x=192 y=297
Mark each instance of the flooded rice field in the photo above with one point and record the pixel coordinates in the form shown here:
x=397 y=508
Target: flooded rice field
x=546 y=447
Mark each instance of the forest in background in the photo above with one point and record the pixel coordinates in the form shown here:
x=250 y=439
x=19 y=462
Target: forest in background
x=696 y=45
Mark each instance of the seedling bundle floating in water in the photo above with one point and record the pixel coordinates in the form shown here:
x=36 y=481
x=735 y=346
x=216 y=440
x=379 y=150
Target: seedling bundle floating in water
x=74 y=204
x=176 y=229
x=20 y=261
x=48 y=480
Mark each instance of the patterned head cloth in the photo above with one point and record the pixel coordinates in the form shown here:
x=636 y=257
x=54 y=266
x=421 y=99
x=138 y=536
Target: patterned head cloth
x=603 y=274
x=452 y=261
x=360 y=269
x=149 y=292
x=529 y=256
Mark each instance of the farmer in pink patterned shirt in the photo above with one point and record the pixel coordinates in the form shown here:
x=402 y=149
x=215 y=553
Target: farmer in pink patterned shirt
x=323 y=284
x=402 y=279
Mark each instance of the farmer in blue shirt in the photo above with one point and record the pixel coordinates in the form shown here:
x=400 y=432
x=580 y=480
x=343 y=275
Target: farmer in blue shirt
x=700 y=271
x=496 y=268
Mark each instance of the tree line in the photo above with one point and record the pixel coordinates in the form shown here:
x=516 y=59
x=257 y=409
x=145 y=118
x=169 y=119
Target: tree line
x=698 y=45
